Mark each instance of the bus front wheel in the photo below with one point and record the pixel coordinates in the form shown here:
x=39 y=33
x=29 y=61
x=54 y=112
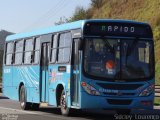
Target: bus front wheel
x=63 y=104
x=23 y=103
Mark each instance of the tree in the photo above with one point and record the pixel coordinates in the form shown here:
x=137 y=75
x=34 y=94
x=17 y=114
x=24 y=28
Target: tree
x=79 y=14
x=97 y=3
x=62 y=21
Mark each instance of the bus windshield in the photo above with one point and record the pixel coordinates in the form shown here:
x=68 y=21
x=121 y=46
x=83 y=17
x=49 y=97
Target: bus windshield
x=118 y=59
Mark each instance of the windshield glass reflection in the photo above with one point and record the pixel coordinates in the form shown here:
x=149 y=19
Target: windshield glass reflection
x=118 y=58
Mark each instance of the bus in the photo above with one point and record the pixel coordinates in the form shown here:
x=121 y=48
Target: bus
x=88 y=64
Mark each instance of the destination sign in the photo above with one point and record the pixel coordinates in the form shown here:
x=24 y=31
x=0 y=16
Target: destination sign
x=122 y=29
x=117 y=29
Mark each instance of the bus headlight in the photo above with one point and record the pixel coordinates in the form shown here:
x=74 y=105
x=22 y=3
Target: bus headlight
x=146 y=92
x=89 y=89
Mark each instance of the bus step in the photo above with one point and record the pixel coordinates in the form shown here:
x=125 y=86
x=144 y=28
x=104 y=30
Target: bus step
x=43 y=104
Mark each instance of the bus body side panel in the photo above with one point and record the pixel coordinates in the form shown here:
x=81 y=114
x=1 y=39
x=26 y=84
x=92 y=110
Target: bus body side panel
x=29 y=76
x=7 y=76
x=8 y=82
x=59 y=74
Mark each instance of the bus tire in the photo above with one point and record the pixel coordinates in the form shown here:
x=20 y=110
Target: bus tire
x=35 y=106
x=23 y=102
x=64 y=109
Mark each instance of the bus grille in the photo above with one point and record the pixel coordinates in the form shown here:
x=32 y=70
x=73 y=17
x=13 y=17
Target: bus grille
x=120 y=86
x=115 y=94
x=119 y=102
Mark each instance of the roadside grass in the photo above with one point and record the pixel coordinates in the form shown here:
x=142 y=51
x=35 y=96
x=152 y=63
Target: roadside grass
x=157 y=101
x=157 y=74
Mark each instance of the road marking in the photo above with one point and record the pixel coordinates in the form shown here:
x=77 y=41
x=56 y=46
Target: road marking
x=17 y=110
x=38 y=113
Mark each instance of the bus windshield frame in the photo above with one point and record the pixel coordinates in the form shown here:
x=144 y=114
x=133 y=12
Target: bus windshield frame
x=126 y=48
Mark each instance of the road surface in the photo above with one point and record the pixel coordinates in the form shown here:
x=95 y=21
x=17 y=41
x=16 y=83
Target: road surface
x=10 y=110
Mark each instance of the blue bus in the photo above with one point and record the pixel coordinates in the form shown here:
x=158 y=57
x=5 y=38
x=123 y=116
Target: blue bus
x=87 y=64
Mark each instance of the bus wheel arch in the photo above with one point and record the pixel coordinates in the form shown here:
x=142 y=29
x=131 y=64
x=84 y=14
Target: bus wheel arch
x=23 y=98
x=65 y=110
x=20 y=85
x=61 y=100
x=59 y=90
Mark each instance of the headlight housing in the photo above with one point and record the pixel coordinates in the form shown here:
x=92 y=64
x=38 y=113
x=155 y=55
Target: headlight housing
x=148 y=91
x=89 y=89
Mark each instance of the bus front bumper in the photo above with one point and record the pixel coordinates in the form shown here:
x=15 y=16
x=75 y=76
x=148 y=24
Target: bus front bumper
x=101 y=102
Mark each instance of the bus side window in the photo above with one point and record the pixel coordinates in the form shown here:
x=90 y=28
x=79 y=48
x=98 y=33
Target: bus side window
x=28 y=51
x=53 y=49
x=64 y=48
x=9 y=53
x=76 y=48
x=18 y=52
x=36 y=53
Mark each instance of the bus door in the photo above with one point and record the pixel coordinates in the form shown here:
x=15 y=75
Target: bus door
x=76 y=73
x=44 y=71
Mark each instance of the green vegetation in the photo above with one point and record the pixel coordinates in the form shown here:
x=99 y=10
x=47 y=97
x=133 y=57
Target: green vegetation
x=157 y=101
x=80 y=13
x=140 y=10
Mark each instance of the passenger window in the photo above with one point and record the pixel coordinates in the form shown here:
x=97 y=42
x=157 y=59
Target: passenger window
x=18 y=52
x=36 y=50
x=64 y=50
x=28 y=51
x=19 y=46
x=9 y=53
x=10 y=47
x=53 y=49
x=18 y=58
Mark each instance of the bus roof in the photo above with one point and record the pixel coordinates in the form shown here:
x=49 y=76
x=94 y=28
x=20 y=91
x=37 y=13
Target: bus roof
x=66 y=26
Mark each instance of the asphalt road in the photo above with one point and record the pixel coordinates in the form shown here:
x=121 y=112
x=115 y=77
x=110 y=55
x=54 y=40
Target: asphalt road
x=10 y=110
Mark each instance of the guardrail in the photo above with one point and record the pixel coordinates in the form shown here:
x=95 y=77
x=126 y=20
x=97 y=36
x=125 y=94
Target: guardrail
x=157 y=90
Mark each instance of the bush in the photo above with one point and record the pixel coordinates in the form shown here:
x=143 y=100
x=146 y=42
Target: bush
x=157 y=33
x=79 y=14
x=97 y=3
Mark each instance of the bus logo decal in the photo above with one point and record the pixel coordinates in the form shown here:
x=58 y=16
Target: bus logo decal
x=7 y=70
x=52 y=75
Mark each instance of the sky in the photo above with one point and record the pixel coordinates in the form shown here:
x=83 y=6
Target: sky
x=25 y=15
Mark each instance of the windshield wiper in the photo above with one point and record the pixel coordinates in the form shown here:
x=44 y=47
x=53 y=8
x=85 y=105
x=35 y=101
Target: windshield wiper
x=128 y=49
x=109 y=45
x=131 y=48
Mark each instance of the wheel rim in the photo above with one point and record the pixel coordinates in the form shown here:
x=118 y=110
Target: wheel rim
x=63 y=101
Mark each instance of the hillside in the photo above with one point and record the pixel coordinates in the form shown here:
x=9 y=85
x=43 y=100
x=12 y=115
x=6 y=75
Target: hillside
x=3 y=35
x=140 y=10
